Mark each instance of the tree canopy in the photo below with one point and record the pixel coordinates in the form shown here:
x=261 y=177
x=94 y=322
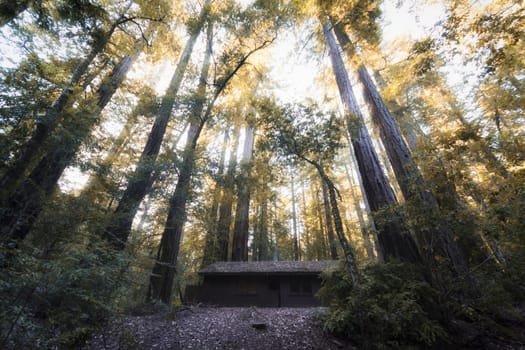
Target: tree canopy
x=143 y=140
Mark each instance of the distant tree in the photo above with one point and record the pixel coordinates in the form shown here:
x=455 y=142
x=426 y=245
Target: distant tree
x=233 y=59
x=312 y=137
x=224 y=219
x=210 y=252
x=244 y=189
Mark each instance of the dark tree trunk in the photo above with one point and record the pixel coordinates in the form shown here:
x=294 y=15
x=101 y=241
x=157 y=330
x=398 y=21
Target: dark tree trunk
x=362 y=224
x=437 y=241
x=394 y=238
x=350 y=261
x=323 y=251
x=211 y=245
x=328 y=219
x=161 y=280
x=225 y=208
x=307 y=231
x=294 y=222
x=242 y=214
x=119 y=226
x=263 y=250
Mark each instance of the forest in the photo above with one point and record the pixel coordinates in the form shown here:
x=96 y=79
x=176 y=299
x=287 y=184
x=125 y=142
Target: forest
x=141 y=140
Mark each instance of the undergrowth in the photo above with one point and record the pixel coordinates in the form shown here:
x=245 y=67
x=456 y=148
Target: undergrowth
x=393 y=307
x=390 y=308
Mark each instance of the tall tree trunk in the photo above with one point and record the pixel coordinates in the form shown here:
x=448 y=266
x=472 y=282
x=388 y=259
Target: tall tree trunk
x=368 y=211
x=31 y=151
x=307 y=231
x=119 y=226
x=328 y=219
x=322 y=251
x=435 y=242
x=393 y=235
x=350 y=261
x=294 y=222
x=161 y=280
x=264 y=253
x=211 y=245
x=242 y=214
x=360 y=217
x=225 y=208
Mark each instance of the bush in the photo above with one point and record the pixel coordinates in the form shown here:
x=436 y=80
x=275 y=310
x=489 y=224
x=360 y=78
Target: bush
x=391 y=308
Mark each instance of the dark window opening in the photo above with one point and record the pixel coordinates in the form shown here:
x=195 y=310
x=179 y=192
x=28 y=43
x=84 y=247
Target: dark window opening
x=300 y=285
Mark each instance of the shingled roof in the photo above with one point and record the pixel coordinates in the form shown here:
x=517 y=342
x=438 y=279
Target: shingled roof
x=266 y=267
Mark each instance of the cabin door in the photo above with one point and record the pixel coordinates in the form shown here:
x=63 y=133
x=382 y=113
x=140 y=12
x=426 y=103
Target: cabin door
x=274 y=291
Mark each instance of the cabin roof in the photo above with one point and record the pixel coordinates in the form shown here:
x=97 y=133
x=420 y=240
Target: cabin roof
x=267 y=267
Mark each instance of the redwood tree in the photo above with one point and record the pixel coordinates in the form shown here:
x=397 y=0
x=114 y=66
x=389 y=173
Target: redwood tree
x=119 y=227
x=434 y=240
x=393 y=235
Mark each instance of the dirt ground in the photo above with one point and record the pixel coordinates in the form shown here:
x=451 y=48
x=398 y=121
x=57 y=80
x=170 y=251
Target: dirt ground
x=204 y=328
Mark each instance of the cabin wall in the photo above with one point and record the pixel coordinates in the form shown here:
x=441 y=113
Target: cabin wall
x=255 y=290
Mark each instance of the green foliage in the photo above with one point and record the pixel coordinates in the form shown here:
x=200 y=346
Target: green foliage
x=359 y=16
x=301 y=130
x=391 y=308
x=51 y=298
x=425 y=57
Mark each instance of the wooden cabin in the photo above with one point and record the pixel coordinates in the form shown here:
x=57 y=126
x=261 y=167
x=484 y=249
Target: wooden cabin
x=260 y=283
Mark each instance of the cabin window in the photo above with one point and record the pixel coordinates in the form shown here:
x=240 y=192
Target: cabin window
x=300 y=285
x=248 y=287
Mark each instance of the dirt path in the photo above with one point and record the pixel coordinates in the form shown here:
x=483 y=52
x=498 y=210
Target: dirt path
x=239 y=328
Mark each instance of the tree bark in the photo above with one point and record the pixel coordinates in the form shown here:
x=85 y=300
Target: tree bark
x=434 y=241
x=350 y=261
x=264 y=253
x=307 y=231
x=294 y=222
x=360 y=217
x=322 y=249
x=242 y=215
x=328 y=219
x=161 y=280
x=393 y=235
x=225 y=208
x=212 y=240
x=119 y=226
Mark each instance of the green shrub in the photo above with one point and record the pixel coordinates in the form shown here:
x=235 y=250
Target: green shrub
x=391 y=308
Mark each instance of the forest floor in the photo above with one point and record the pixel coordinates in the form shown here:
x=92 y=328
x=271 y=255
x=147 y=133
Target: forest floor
x=204 y=328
